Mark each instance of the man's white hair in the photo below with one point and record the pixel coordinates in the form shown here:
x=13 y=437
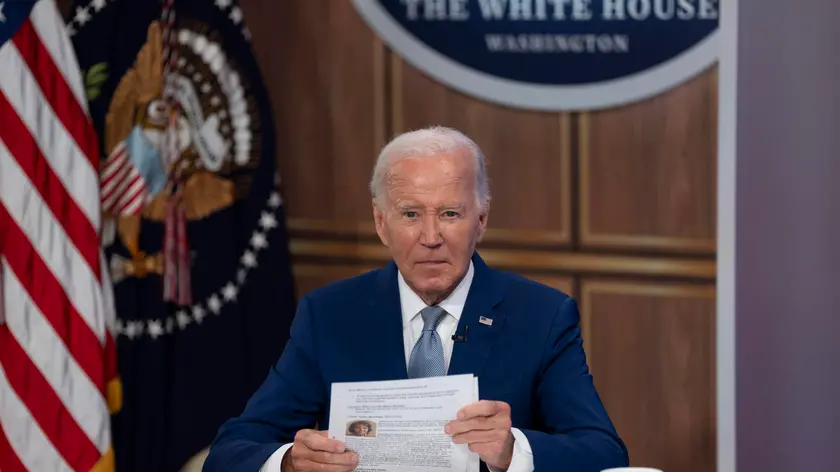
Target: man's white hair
x=430 y=142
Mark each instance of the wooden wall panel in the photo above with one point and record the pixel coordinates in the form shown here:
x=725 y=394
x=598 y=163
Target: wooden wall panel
x=553 y=263
x=311 y=275
x=528 y=154
x=325 y=71
x=651 y=351
x=564 y=284
x=648 y=171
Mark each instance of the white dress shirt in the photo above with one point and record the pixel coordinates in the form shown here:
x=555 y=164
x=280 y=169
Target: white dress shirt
x=411 y=305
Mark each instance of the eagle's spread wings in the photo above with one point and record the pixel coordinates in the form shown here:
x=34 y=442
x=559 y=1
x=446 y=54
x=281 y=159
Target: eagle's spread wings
x=120 y=118
x=138 y=86
x=149 y=65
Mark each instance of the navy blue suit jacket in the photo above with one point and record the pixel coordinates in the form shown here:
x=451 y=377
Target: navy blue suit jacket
x=530 y=357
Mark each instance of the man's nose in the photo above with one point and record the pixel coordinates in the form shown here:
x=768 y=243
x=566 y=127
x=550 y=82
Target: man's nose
x=431 y=236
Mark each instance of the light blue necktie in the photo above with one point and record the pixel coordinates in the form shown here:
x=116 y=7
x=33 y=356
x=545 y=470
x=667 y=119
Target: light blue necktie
x=427 y=356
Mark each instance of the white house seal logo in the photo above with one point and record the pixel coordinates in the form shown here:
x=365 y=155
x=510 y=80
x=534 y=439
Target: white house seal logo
x=551 y=54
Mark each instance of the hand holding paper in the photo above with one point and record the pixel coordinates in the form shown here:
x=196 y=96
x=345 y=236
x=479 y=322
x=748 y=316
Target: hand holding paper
x=399 y=425
x=314 y=451
x=485 y=427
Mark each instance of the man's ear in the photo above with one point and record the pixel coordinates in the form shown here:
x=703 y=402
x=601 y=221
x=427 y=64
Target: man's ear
x=379 y=222
x=482 y=224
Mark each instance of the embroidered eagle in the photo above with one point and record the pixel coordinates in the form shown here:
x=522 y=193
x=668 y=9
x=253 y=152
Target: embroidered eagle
x=136 y=179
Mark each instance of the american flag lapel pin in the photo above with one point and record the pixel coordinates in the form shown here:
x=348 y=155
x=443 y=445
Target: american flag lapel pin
x=485 y=320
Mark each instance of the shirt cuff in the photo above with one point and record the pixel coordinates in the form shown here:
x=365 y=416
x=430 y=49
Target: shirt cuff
x=275 y=461
x=523 y=457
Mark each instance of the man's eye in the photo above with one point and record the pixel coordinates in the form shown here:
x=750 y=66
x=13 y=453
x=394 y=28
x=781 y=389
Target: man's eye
x=410 y=214
x=450 y=214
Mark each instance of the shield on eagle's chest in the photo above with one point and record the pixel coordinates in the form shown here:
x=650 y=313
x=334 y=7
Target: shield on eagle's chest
x=195 y=225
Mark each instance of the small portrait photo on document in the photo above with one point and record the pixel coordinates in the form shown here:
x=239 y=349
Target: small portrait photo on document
x=362 y=428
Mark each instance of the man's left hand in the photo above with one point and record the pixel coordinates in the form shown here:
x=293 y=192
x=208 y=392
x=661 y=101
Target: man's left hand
x=485 y=427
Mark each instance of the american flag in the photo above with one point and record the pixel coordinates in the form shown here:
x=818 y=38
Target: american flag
x=58 y=382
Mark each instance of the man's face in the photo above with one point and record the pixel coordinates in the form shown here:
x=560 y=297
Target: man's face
x=431 y=222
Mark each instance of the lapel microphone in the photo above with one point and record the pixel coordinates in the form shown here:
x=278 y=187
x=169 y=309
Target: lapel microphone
x=461 y=338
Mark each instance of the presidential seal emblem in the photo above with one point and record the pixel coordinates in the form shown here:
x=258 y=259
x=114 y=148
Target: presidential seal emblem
x=551 y=54
x=176 y=150
x=195 y=233
x=185 y=164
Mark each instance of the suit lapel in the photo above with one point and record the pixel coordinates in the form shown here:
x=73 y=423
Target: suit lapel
x=387 y=361
x=469 y=357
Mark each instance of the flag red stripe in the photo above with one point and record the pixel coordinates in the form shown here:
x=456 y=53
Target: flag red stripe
x=115 y=197
x=111 y=368
x=112 y=193
x=129 y=197
x=45 y=406
x=57 y=92
x=114 y=165
x=118 y=169
x=49 y=296
x=5 y=219
x=127 y=193
x=25 y=150
x=132 y=207
x=8 y=457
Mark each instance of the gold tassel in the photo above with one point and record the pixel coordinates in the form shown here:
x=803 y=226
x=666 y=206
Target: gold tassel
x=114 y=396
x=105 y=463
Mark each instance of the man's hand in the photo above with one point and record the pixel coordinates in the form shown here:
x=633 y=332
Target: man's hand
x=485 y=427
x=314 y=451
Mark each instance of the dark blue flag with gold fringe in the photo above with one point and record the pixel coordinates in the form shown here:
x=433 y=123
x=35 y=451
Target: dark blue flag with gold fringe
x=195 y=225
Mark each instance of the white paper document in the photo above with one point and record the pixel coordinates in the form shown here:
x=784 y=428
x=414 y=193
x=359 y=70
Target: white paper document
x=397 y=426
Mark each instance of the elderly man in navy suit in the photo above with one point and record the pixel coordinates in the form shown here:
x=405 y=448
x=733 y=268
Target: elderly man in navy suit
x=538 y=407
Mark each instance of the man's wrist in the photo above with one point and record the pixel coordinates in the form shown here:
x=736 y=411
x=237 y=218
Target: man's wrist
x=276 y=462
x=286 y=465
x=522 y=459
x=509 y=447
x=507 y=456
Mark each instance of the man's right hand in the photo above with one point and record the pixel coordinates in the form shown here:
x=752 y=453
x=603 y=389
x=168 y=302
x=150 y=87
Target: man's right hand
x=314 y=451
